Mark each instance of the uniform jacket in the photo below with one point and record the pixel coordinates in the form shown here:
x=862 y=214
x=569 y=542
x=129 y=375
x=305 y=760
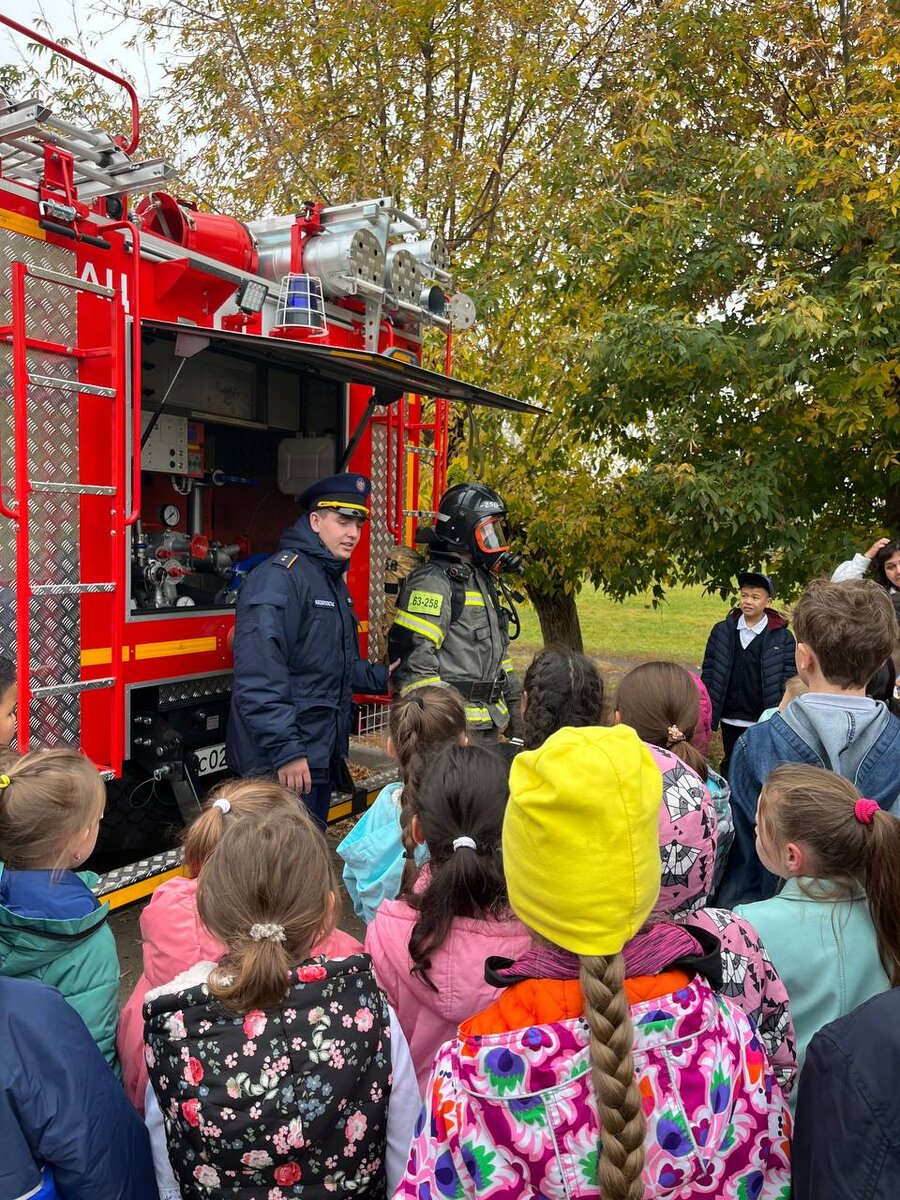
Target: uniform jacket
x=258 y=1103
x=825 y=952
x=688 y=846
x=76 y=954
x=61 y=1106
x=513 y=1113
x=777 y=663
x=846 y=1141
x=429 y=1018
x=859 y=740
x=434 y=648
x=296 y=660
x=174 y=940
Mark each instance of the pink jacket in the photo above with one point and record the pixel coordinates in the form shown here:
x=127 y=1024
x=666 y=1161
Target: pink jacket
x=428 y=1018
x=174 y=941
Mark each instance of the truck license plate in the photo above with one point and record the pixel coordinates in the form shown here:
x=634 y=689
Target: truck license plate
x=211 y=759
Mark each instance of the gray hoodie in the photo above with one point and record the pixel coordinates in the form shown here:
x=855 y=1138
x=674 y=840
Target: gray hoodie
x=841 y=731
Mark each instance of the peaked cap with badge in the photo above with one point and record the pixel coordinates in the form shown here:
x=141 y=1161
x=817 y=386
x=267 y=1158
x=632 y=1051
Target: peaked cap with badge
x=347 y=493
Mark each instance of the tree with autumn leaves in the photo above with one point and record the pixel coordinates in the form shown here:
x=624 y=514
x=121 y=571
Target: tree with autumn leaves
x=679 y=221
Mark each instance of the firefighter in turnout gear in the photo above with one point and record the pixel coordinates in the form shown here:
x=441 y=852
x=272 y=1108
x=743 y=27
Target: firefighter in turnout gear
x=451 y=627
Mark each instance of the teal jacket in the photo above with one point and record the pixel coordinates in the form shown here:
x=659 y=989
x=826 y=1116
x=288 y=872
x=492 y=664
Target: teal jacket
x=40 y=939
x=825 y=952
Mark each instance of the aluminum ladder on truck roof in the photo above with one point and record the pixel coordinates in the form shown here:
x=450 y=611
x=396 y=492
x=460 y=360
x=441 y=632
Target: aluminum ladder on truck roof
x=100 y=166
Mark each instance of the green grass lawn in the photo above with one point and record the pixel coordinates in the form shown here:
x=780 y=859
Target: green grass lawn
x=676 y=630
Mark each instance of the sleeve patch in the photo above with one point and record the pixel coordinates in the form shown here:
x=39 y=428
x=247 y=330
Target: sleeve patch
x=426 y=602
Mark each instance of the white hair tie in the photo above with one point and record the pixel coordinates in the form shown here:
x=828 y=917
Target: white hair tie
x=262 y=933
x=222 y=804
x=464 y=842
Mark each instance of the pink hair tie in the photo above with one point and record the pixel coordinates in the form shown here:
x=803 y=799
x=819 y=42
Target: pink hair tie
x=865 y=810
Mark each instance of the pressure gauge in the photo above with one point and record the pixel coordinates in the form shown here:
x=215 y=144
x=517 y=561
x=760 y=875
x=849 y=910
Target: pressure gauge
x=170 y=515
x=184 y=602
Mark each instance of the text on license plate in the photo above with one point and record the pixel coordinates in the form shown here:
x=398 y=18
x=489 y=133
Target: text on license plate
x=211 y=759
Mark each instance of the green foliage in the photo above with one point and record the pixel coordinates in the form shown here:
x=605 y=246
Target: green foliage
x=746 y=267
x=679 y=222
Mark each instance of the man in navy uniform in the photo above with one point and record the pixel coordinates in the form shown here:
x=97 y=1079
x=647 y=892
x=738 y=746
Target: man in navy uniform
x=296 y=654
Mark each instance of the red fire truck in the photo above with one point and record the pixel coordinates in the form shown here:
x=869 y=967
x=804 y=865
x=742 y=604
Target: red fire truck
x=172 y=380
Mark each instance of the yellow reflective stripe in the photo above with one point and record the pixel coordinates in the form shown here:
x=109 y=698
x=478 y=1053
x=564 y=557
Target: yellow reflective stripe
x=474 y=600
x=501 y=707
x=434 y=633
x=506 y=665
x=477 y=712
x=428 y=681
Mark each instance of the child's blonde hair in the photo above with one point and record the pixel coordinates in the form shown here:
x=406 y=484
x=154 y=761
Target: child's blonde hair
x=241 y=798
x=849 y=846
x=267 y=891
x=47 y=799
x=420 y=722
x=8 y=756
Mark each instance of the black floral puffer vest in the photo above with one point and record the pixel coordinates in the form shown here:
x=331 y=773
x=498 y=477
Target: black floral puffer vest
x=285 y=1103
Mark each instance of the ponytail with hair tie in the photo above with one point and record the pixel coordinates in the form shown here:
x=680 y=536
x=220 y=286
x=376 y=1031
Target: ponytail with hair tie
x=465 y=787
x=852 y=841
x=864 y=810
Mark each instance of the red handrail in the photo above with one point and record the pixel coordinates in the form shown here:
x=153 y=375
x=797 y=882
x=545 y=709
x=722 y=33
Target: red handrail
x=128 y=147
x=23 y=487
x=134 y=303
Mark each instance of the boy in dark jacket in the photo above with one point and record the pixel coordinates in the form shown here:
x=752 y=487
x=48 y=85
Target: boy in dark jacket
x=63 y=1115
x=749 y=658
x=846 y=1145
x=845 y=631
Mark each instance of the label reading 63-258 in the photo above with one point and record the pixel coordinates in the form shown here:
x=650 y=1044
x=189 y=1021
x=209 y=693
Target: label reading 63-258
x=426 y=602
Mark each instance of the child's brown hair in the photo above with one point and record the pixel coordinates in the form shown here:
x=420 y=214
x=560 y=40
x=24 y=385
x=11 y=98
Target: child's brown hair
x=240 y=798
x=421 y=721
x=563 y=688
x=463 y=795
x=47 y=799
x=849 y=846
x=267 y=891
x=623 y=1127
x=850 y=627
x=660 y=701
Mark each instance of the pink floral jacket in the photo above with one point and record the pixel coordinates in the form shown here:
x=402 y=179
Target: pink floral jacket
x=513 y=1114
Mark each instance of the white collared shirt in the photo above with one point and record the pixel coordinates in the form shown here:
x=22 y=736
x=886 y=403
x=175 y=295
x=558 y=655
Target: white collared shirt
x=749 y=632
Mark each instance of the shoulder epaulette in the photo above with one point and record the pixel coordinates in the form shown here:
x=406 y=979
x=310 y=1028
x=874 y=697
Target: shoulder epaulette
x=286 y=559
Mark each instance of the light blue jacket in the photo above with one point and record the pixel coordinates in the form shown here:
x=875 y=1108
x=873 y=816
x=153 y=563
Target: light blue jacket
x=824 y=950
x=373 y=854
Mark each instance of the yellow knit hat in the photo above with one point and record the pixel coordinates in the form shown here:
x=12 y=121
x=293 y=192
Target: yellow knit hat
x=581 y=838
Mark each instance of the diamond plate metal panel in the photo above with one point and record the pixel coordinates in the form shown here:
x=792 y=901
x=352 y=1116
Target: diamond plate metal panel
x=54 y=517
x=187 y=690
x=381 y=541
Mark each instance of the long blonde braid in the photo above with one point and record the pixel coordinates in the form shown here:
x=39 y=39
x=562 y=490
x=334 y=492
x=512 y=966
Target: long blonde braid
x=622 y=1124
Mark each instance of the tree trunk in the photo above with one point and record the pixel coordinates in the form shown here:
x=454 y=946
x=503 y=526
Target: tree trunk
x=558 y=616
x=892 y=510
